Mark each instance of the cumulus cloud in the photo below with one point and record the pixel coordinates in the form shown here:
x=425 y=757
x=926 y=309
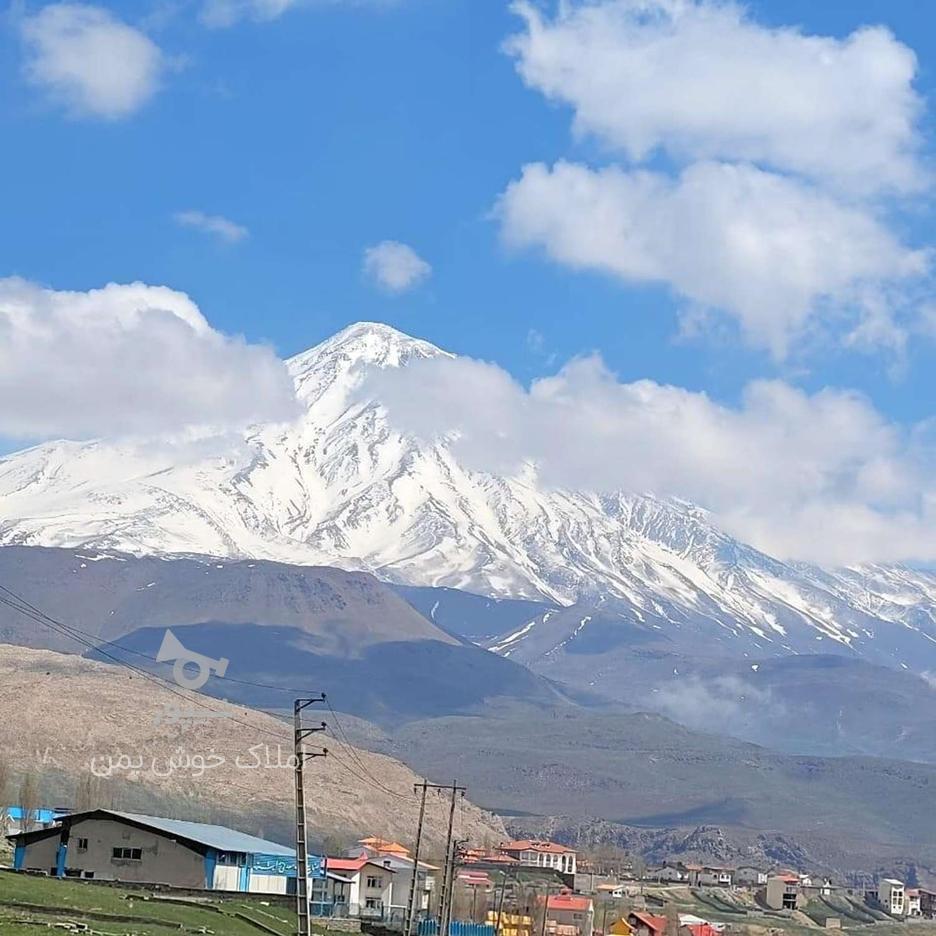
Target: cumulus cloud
x=90 y=61
x=127 y=359
x=395 y=267
x=769 y=250
x=217 y=225
x=784 y=154
x=811 y=476
x=702 y=80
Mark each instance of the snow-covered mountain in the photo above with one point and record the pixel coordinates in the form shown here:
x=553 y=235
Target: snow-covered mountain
x=344 y=487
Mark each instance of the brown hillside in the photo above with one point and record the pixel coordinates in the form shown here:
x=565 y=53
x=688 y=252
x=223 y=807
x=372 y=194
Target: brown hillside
x=63 y=718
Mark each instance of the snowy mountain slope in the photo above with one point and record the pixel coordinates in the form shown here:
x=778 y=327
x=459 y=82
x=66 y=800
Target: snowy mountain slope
x=343 y=487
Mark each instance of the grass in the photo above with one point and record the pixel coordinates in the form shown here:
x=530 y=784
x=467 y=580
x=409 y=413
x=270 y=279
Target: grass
x=117 y=912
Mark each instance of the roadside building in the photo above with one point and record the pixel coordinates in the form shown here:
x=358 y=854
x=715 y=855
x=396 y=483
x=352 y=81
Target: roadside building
x=676 y=873
x=892 y=897
x=913 y=902
x=108 y=845
x=533 y=853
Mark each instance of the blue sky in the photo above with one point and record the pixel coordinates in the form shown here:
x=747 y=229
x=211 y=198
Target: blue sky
x=335 y=126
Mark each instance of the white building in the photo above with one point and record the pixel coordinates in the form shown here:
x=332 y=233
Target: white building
x=892 y=896
x=371 y=886
x=537 y=854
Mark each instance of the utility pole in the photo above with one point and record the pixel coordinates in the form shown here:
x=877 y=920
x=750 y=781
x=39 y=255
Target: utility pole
x=449 y=866
x=408 y=919
x=457 y=845
x=424 y=787
x=500 y=903
x=546 y=912
x=300 y=733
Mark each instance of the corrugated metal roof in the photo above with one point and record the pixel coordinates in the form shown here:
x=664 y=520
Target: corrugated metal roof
x=214 y=836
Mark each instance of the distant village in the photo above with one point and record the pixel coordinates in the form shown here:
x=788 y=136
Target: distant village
x=518 y=888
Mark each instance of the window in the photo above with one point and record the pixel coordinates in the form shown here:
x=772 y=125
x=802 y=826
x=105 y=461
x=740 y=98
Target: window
x=371 y=903
x=128 y=854
x=374 y=881
x=82 y=844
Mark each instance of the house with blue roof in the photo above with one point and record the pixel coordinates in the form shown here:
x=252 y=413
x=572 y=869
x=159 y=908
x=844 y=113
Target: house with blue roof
x=107 y=845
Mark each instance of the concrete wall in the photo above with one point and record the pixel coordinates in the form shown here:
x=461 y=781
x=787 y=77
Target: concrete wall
x=163 y=861
x=40 y=856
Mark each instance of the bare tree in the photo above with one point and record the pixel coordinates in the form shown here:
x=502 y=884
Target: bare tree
x=4 y=790
x=29 y=802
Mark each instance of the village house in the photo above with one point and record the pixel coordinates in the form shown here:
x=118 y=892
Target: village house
x=370 y=886
x=702 y=928
x=670 y=873
x=570 y=914
x=396 y=858
x=891 y=896
x=927 y=903
x=784 y=892
x=615 y=891
x=709 y=875
x=791 y=891
x=750 y=876
x=646 y=924
x=913 y=902
x=532 y=853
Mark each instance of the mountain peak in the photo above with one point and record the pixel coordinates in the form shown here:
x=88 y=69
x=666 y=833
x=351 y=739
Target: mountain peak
x=339 y=362
x=373 y=343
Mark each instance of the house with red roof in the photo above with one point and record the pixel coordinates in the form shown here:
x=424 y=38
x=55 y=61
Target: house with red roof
x=647 y=924
x=699 y=929
x=569 y=914
x=370 y=887
x=396 y=858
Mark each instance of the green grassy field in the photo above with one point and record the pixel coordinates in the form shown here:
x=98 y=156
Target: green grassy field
x=26 y=901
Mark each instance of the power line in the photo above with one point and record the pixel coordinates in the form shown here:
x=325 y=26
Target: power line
x=139 y=653
x=354 y=754
x=20 y=604
x=24 y=608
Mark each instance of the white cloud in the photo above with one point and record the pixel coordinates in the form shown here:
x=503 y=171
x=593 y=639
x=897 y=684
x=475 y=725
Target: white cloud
x=771 y=251
x=822 y=477
x=127 y=359
x=90 y=61
x=395 y=267
x=222 y=13
x=701 y=80
x=228 y=12
x=217 y=225
x=783 y=158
